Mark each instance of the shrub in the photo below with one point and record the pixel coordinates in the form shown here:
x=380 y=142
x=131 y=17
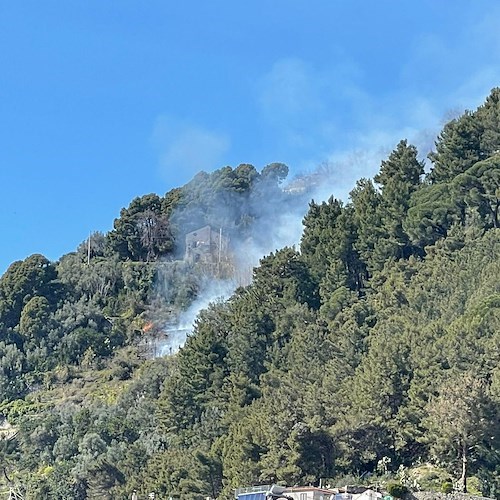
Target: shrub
x=446 y=487
x=396 y=490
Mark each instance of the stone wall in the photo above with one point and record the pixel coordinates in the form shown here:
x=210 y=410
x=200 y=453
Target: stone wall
x=429 y=495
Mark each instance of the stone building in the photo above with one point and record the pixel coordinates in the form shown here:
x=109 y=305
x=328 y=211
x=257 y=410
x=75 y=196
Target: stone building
x=206 y=246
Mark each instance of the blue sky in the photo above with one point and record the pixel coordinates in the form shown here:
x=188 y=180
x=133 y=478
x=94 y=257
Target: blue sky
x=103 y=101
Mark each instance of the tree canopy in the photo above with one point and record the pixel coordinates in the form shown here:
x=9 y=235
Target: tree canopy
x=367 y=350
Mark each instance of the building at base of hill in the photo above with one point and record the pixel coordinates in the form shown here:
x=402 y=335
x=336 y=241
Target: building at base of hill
x=273 y=492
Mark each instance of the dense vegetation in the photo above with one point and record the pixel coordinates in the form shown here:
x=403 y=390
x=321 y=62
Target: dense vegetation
x=367 y=352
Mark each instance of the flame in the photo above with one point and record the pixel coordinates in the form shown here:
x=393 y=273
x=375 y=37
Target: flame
x=147 y=327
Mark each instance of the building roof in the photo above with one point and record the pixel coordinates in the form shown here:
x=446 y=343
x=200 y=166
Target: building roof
x=298 y=489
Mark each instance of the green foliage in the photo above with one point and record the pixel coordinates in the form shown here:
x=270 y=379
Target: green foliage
x=142 y=232
x=367 y=216
x=473 y=137
x=488 y=115
x=327 y=246
x=200 y=373
x=447 y=487
x=432 y=212
x=284 y=278
x=376 y=343
x=35 y=321
x=480 y=188
x=396 y=490
x=24 y=280
x=402 y=168
x=12 y=368
x=461 y=421
x=400 y=176
x=457 y=149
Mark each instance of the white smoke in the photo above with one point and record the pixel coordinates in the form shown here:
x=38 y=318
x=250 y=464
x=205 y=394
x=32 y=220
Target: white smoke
x=176 y=334
x=277 y=223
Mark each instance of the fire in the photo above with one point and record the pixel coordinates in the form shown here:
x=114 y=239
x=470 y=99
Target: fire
x=147 y=327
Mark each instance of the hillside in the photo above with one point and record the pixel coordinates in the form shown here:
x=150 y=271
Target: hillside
x=364 y=352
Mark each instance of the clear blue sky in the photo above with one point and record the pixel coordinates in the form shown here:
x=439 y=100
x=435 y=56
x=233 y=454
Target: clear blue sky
x=103 y=101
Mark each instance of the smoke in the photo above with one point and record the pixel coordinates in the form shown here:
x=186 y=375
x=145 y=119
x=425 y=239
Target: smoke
x=212 y=290
x=273 y=230
x=173 y=340
x=256 y=222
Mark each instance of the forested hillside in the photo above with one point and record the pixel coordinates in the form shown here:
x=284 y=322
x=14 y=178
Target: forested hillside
x=369 y=352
